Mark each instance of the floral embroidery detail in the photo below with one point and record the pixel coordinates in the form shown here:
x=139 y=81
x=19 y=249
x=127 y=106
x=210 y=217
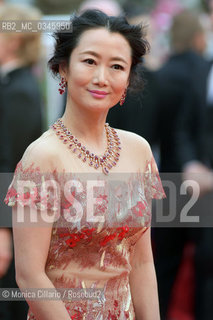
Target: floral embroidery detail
x=116 y=303
x=101 y=203
x=107 y=239
x=74 y=238
x=116 y=313
x=138 y=210
x=76 y=316
x=11 y=196
x=124 y=230
x=68 y=202
x=86 y=234
x=120 y=234
x=32 y=196
x=79 y=252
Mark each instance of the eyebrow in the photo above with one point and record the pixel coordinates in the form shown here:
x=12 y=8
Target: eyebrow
x=95 y=54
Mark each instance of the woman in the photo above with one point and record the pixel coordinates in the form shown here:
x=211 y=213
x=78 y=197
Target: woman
x=104 y=249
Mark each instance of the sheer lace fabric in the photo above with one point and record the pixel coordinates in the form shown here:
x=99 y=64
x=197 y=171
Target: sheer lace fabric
x=90 y=250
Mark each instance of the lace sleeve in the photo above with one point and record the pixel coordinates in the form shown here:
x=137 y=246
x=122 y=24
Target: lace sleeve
x=34 y=188
x=153 y=185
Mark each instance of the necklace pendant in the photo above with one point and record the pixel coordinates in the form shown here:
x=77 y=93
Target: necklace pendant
x=109 y=158
x=96 y=166
x=105 y=170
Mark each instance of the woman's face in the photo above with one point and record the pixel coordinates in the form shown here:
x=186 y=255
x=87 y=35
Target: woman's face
x=99 y=68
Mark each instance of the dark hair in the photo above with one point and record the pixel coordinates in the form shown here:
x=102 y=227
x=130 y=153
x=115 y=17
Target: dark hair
x=93 y=19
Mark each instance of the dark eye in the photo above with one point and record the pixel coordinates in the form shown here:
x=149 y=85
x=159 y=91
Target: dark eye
x=117 y=67
x=89 y=61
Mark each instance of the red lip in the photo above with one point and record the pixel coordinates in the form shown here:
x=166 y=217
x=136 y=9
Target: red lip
x=98 y=92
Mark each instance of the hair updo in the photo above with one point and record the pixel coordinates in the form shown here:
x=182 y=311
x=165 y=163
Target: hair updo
x=67 y=41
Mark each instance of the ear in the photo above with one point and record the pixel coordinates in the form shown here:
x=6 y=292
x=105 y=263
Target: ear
x=63 y=70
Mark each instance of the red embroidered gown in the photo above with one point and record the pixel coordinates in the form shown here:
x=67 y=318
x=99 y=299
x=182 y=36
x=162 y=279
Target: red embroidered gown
x=89 y=251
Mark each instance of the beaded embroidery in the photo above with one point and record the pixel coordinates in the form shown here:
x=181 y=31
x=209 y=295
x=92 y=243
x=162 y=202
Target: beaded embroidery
x=94 y=255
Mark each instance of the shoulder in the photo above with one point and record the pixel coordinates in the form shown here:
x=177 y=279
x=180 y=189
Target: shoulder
x=41 y=152
x=136 y=147
x=131 y=137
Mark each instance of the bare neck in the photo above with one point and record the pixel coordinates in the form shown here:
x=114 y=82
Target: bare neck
x=88 y=127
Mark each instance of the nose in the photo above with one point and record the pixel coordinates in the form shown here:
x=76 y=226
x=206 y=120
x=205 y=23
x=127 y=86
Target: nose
x=100 y=76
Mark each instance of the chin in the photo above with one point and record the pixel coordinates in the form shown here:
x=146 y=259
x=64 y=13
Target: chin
x=97 y=105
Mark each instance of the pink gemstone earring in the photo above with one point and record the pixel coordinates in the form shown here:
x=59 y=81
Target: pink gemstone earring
x=62 y=85
x=123 y=97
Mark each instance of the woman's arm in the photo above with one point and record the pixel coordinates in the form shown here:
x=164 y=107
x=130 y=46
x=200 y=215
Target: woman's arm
x=31 y=250
x=5 y=250
x=143 y=282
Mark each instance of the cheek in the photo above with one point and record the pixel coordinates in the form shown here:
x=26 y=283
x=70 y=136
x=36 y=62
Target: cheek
x=120 y=85
x=120 y=80
x=78 y=76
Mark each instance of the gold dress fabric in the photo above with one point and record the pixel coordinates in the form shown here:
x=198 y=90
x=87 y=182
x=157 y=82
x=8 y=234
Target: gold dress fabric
x=90 y=250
